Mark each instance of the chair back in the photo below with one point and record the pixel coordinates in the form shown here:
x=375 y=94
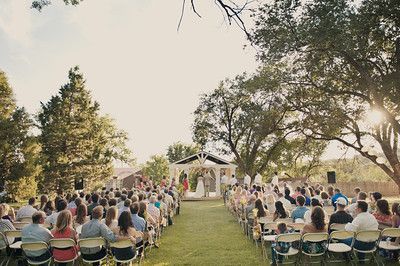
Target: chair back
x=391 y=232
x=368 y=235
x=264 y=220
x=20 y=225
x=34 y=246
x=13 y=233
x=315 y=244
x=270 y=226
x=297 y=226
x=315 y=237
x=337 y=227
x=3 y=241
x=62 y=243
x=122 y=244
x=27 y=219
x=289 y=238
x=285 y=220
x=92 y=242
x=341 y=235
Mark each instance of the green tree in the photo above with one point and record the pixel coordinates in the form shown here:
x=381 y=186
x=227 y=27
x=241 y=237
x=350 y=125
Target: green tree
x=156 y=167
x=18 y=149
x=344 y=60
x=77 y=142
x=179 y=151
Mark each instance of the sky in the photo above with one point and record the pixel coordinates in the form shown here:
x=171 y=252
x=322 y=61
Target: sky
x=144 y=73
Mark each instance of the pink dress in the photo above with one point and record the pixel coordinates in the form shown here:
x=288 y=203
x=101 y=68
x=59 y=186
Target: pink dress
x=65 y=254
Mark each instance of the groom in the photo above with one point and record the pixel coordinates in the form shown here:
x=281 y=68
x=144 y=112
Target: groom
x=207 y=183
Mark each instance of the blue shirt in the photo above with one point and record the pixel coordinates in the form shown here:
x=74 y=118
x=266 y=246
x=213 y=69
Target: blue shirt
x=95 y=228
x=298 y=212
x=308 y=201
x=139 y=223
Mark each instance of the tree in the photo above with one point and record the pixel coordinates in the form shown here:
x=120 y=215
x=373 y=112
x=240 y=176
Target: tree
x=345 y=67
x=77 y=142
x=179 y=151
x=156 y=167
x=18 y=149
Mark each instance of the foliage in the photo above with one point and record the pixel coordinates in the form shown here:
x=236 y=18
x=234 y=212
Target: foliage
x=22 y=189
x=18 y=149
x=156 y=167
x=249 y=117
x=343 y=61
x=179 y=151
x=77 y=141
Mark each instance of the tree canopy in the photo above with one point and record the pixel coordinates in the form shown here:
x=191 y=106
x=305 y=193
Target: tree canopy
x=77 y=142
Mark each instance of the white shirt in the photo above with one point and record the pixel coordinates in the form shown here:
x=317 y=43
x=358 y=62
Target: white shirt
x=258 y=179
x=26 y=211
x=286 y=204
x=52 y=219
x=275 y=180
x=224 y=180
x=351 y=209
x=363 y=221
x=247 y=180
x=233 y=181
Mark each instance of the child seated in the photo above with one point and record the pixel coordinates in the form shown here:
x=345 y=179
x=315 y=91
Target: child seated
x=281 y=247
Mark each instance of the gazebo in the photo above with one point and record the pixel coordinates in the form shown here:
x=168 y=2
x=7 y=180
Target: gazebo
x=203 y=160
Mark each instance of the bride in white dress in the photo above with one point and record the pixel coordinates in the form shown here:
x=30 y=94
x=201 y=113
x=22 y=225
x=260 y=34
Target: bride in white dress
x=199 y=188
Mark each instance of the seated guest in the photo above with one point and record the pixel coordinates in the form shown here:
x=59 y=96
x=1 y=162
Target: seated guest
x=280 y=212
x=317 y=195
x=153 y=210
x=300 y=210
x=296 y=193
x=330 y=191
x=112 y=202
x=34 y=232
x=288 y=197
x=317 y=224
x=138 y=223
x=396 y=215
x=338 y=194
x=352 y=209
x=303 y=192
x=125 y=229
x=382 y=213
x=94 y=228
x=27 y=211
x=94 y=203
x=307 y=214
x=8 y=212
x=355 y=198
x=43 y=200
x=363 y=221
x=63 y=229
x=145 y=215
x=281 y=247
x=260 y=211
x=72 y=204
x=340 y=216
x=325 y=199
x=249 y=209
x=111 y=218
x=104 y=202
x=49 y=208
x=121 y=201
x=5 y=225
x=81 y=216
x=61 y=205
x=374 y=197
x=270 y=203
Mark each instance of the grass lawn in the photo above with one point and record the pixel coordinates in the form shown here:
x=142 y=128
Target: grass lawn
x=205 y=234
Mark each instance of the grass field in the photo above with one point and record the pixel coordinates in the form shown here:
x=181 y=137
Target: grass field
x=205 y=234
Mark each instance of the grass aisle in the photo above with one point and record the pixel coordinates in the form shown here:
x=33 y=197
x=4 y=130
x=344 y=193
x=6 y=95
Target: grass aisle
x=205 y=234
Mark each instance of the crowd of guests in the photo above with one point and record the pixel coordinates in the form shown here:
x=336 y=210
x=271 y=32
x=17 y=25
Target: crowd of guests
x=316 y=208
x=138 y=215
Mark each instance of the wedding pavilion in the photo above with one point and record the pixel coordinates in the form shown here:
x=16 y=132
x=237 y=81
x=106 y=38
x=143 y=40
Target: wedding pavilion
x=206 y=161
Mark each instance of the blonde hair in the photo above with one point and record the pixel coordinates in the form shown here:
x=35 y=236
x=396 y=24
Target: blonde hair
x=270 y=199
x=111 y=215
x=64 y=220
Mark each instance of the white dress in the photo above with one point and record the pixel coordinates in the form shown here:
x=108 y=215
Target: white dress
x=199 y=188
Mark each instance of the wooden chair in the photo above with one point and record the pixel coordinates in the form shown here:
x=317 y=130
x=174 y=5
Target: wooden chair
x=63 y=243
x=36 y=246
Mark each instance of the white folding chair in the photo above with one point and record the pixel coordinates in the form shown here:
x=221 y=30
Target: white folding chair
x=88 y=243
x=337 y=247
x=36 y=246
x=314 y=239
x=124 y=244
x=63 y=243
x=389 y=233
x=337 y=227
x=291 y=239
x=3 y=246
x=13 y=234
x=296 y=226
x=27 y=219
x=20 y=225
x=367 y=236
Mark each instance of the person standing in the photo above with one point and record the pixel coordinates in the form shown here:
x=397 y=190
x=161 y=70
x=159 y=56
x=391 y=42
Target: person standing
x=185 y=184
x=207 y=184
x=247 y=180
